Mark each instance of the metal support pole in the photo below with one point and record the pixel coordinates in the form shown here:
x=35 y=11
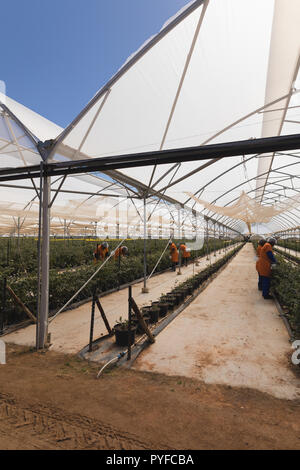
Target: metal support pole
x=3 y=306
x=18 y=232
x=117 y=222
x=215 y=239
x=39 y=259
x=92 y=322
x=179 y=261
x=44 y=306
x=145 y=289
x=129 y=323
x=179 y=222
x=207 y=247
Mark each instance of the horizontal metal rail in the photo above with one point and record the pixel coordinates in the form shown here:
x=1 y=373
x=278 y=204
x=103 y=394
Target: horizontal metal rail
x=224 y=150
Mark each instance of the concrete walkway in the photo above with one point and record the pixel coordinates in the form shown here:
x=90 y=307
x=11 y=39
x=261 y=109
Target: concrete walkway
x=228 y=335
x=70 y=330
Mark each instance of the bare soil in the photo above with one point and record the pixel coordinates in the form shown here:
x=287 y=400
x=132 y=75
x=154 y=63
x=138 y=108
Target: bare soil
x=53 y=401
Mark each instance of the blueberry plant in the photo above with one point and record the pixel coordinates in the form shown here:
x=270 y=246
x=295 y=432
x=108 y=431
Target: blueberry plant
x=71 y=264
x=286 y=286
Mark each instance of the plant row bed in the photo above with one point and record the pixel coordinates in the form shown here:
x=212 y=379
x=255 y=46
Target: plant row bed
x=159 y=310
x=290 y=245
x=19 y=256
x=285 y=284
x=62 y=286
x=288 y=256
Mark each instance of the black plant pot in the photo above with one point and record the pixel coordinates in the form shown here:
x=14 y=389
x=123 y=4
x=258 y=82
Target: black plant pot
x=121 y=335
x=179 y=297
x=190 y=289
x=171 y=298
x=139 y=328
x=178 y=292
x=164 y=308
x=169 y=301
x=154 y=314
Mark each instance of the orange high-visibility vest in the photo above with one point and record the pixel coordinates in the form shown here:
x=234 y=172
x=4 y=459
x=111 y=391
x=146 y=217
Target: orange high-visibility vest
x=101 y=252
x=118 y=253
x=264 y=263
x=258 y=250
x=174 y=253
x=184 y=252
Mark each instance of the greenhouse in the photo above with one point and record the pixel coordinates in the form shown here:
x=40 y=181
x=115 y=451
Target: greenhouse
x=188 y=157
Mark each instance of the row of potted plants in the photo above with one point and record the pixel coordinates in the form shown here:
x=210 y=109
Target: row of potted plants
x=168 y=302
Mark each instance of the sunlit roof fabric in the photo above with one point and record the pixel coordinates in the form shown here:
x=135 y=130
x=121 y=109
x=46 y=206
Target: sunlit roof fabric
x=219 y=71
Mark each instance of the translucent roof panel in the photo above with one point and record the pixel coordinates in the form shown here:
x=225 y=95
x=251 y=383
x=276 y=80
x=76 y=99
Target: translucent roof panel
x=16 y=147
x=219 y=71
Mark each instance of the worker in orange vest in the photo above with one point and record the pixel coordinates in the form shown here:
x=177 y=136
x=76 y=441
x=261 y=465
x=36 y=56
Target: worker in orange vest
x=101 y=252
x=261 y=243
x=173 y=255
x=121 y=251
x=264 y=266
x=185 y=254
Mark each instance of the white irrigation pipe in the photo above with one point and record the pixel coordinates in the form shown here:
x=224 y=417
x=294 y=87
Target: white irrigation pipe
x=158 y=260
x=110 y=362
x=120 y=355
x=86 y=283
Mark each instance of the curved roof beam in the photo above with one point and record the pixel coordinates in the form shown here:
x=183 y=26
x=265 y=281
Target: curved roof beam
x=251 y=179
x=219 y=176
x=241 y=184
x=29 y=134
x=232 y=168
x=253 y=190
x=149 y=45
x=185 y=69
x=196 y=170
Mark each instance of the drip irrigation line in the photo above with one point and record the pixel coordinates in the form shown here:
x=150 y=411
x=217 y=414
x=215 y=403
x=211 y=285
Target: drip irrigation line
x=159 y=260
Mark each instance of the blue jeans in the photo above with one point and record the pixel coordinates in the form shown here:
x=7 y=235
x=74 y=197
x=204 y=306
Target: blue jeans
x=266 y=282
x=259 y=282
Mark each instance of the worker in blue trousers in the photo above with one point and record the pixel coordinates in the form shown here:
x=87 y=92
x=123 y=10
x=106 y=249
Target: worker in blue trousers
x=265 y=265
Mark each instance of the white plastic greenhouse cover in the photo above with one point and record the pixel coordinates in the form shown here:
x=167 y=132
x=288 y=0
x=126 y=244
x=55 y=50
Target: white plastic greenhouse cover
x=220 y=71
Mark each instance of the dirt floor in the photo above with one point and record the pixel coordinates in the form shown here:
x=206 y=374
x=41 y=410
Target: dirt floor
x=70 y=330
x=228 y=335
x=53 y=401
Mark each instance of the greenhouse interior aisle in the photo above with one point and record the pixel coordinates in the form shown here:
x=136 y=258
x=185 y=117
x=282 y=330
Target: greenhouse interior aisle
x=70 y=330
x=228 y=335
